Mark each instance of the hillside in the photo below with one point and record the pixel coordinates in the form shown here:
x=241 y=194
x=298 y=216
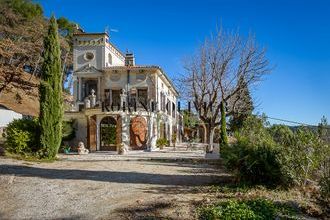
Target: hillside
x=22 y=28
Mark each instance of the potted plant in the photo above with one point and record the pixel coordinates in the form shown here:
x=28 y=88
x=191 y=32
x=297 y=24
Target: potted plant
x=66 y=149
x=173 y=139
x=161 y=142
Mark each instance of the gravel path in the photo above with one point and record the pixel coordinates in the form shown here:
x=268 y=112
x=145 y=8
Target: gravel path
x=101 y=189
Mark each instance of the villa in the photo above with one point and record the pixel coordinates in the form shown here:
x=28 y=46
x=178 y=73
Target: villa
x=118 y=102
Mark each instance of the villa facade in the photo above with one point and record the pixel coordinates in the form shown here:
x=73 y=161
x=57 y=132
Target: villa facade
x=119 y=102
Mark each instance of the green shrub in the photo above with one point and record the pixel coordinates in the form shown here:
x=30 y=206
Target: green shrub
x=68 y=131
x=65 y=28
x=275 y=154
x=173 y=139
x=253 y=164
x=161 y=142
x=325 y=181
x=250 y=209
x=300 y=155
x=282 y=135
x=253 y=158
x=26 y=8
x=22 y=136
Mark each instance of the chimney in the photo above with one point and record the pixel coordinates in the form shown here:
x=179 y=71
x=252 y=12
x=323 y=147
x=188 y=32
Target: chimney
x=129 y=59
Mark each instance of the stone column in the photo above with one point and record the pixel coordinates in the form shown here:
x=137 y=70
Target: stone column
x=79 y=88
x=75 y=92
x=99 y=89
x=98 y=133
x=125 y=132
x=87 y=103
x=153 y=133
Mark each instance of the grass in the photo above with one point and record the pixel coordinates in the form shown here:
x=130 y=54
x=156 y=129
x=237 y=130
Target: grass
x=284 y=203
x=247 y=209
x=30 y=158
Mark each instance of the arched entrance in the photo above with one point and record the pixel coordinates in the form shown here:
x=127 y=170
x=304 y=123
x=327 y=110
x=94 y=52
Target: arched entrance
x=108 y=134
x=138 y=133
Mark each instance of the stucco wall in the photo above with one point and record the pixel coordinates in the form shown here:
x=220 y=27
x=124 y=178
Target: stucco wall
x=7 y=116
x=80 y=126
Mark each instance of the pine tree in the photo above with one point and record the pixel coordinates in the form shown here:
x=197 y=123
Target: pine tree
x=323 y=129
x=50 y=90
x=241 y=107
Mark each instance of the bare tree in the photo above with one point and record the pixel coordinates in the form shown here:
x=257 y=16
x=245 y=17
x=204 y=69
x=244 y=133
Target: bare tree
x=223 y=66
x=21 y=45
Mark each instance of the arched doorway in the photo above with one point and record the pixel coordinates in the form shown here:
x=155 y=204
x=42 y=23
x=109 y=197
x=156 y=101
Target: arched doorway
x=108 y=133
x=138 y=133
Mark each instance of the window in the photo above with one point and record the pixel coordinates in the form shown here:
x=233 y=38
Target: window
x=88 y=86
x=109 y=58
x=89 y=56
x=162 y=101
x=116 y=97
x=107 y=97
x=140 y=76
x=168 y=106
x=143 y=96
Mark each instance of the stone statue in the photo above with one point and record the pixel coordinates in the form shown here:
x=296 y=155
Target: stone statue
x=87 y=102
x=123 y=96
x=92 y=92
x=82 y=149
x=122 y=148
x=93 y=98
x=123 y=91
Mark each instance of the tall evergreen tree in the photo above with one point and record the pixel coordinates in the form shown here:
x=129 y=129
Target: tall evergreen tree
x=50 y=90
x=323 y=130
x=240 y=107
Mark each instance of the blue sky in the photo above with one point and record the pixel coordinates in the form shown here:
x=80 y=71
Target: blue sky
x=296 y=33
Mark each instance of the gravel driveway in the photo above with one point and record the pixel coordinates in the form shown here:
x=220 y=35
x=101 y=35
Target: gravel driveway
x=101 y=189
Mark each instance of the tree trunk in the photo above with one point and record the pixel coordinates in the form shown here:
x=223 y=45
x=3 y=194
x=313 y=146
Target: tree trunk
x=204 y=140
x=223 y=127
x=209 y=138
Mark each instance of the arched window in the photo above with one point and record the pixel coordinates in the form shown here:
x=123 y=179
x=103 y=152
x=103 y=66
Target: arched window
x=109 y=58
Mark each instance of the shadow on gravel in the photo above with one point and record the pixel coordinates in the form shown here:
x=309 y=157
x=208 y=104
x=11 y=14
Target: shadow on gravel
x=150 y=210
x=150 y=159
x=112 y=176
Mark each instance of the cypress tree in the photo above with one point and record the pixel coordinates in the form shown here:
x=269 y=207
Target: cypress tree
x=50 y=92
x=223 y=125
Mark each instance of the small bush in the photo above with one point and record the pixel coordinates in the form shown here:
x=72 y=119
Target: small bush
x=250 y=209
x=275 y=155
x=22 y=136
x=300 y=155
x=161 y=142
x=253 y=164
x=27 y=9
x=68 y=131
x=253 y=158
x=325 y=181
x=173 y=139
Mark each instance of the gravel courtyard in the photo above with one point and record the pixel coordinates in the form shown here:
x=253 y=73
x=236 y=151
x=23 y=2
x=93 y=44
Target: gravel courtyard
x=101 y=186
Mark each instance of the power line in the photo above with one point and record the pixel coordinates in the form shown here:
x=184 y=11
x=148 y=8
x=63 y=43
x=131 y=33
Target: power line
x=289 y=121
x=293 y=122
